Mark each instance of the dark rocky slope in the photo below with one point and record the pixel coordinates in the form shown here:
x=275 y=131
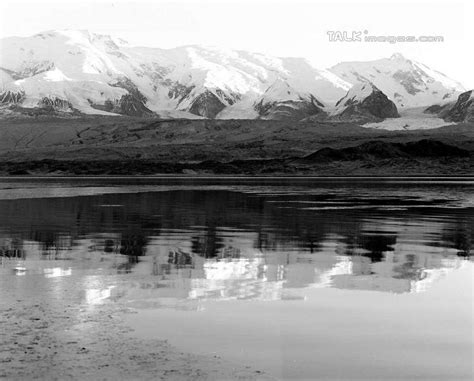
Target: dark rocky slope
x=365 y=103
x=461 y=111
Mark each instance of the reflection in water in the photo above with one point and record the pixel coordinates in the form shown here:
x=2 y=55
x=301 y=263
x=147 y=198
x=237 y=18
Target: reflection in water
x=97 y=295
x=57 y=272
x=243 y=242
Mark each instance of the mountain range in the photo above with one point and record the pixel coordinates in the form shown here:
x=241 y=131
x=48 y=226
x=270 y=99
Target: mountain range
x=78 y=72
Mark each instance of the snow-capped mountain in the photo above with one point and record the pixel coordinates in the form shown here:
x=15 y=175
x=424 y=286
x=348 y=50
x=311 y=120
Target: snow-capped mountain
x=96 y=74
x=281 y=101
x=82 y=72
x=407 y=83
x=364 y=102
x=460 y=111
x=463 y=109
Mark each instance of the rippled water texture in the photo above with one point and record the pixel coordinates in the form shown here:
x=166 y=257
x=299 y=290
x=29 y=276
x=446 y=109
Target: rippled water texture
x=306 y=278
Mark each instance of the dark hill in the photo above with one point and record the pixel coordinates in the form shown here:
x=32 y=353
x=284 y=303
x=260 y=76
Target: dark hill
x=382 y=150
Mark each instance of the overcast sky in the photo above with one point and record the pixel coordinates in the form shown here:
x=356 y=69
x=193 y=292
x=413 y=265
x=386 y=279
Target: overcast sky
x=282 y=28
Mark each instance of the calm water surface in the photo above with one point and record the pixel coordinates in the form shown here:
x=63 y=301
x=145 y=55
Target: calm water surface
x=303 y=278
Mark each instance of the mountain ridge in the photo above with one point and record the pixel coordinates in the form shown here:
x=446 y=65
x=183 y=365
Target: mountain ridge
x=88 y=73
x=404 y=81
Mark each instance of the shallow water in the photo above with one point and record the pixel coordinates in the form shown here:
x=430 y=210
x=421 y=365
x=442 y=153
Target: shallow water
x=312 y=278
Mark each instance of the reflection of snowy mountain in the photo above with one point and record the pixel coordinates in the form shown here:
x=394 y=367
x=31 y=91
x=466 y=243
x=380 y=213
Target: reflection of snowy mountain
x=242 y=272
x=170 y=269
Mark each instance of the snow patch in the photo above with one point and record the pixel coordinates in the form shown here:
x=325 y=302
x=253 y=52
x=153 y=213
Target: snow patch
x=326 y=74
x=56 y=75
x=410 y=119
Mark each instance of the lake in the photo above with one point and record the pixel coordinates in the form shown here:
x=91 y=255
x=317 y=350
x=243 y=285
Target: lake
x=300 y=278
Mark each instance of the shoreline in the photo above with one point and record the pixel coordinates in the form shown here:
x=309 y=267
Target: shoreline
x=239 y=176
x=68 y=339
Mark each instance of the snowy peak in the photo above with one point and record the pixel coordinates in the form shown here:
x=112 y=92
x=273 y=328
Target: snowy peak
x=407 y=83
x=364 y=102
x=280 y=90
x=82 y=37
x=99 y=74
x=358 y=93
x=282 y=101
x=397 y=57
